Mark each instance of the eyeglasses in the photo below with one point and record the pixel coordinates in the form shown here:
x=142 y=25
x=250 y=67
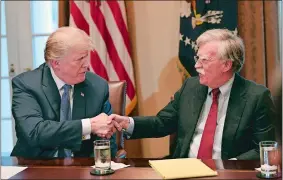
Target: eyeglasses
x=202 y=60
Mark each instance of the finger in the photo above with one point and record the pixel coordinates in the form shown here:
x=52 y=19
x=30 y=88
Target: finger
x=117 y=125
x=110 y=127
x=109 y=121
x=112 y=116
x=114 y=129
x=108 y=136
x=105 y=132
x=101 y=135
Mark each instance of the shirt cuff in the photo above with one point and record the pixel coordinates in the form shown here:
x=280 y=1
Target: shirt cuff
x=130 y=129
x=86 y=129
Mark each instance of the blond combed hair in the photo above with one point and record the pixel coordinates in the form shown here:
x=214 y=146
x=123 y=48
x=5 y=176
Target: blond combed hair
x=231 y=46
x=66 y=39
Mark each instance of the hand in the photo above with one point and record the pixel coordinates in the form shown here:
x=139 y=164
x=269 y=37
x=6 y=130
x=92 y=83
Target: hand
x=102 y=126
x=120 y=122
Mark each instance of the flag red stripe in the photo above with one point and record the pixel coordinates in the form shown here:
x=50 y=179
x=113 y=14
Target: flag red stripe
x=99 y=20
x=97 y=65
x=78 y=17
x=116 y=11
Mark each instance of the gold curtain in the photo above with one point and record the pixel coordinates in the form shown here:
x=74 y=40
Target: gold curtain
x=258 y=26
x=64 y=13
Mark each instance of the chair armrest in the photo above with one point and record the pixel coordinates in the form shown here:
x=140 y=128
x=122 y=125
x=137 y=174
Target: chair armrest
x=121 y=154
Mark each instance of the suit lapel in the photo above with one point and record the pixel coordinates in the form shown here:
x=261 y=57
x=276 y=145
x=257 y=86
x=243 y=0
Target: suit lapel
x=199 y=97
x=51 y=91
x=79 y=101
x=234 y=113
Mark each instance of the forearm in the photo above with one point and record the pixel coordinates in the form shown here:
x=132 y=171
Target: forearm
x=50 y=134
x=152 y=127
x=252 y=154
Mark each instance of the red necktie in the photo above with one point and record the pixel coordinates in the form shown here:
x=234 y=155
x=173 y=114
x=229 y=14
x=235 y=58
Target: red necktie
x=206 y=143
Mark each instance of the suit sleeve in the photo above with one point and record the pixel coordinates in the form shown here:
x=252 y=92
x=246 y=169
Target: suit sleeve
x=262 y=127
x=39 y=132
x=163 y=124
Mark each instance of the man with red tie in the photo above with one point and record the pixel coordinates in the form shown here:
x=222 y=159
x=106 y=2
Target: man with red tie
x=218 y=115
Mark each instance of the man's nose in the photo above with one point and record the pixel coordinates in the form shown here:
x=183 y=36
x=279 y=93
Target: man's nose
x=198 y=65
x=86 y=64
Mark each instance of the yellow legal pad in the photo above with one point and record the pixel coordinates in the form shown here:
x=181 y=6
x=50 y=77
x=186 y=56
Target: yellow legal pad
x=181 y=168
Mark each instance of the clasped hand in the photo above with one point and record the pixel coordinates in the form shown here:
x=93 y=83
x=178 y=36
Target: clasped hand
x=105 y=126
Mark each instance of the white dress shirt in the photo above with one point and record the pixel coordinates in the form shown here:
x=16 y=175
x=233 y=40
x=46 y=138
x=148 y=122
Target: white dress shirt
x=223 y=100
x=86 y=125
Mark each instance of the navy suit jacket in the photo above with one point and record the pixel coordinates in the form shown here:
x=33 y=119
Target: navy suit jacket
x=36 y=110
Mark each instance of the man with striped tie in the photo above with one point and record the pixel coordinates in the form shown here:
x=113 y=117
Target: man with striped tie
x=60 y=108
x=218 y=115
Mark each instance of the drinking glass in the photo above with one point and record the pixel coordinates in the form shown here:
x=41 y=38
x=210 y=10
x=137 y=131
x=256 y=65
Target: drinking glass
x=102 y=154
x=269 y=159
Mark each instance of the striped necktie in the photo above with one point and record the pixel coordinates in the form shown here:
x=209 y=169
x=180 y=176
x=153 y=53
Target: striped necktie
x=65 y=115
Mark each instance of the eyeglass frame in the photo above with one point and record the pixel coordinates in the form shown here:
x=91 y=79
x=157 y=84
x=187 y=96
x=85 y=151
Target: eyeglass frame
x=202 y=60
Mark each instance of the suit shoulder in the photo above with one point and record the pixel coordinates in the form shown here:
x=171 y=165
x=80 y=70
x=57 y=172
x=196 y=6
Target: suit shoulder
x=255 y=88
x=94 y=79
x=192 y=82
x=29 y=76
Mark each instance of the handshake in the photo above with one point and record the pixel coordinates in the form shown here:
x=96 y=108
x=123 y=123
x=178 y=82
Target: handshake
x=104 y=126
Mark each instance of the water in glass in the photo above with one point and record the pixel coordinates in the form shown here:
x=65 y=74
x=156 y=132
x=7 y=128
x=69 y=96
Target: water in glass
x=269 y=158
x=102 y=154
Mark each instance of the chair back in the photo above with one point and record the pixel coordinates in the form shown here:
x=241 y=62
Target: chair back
x=117 y=96
x=117 y=99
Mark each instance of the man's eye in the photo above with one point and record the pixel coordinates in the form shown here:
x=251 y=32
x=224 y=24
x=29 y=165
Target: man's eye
x=81 y=58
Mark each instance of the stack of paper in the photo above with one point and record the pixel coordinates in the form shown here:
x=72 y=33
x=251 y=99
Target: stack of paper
x=9 y=171
x=181 y=168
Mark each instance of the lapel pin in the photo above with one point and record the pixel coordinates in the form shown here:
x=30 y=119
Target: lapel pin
x=82 y=94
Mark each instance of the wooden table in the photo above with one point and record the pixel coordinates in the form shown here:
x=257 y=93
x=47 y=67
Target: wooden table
x=79 y=168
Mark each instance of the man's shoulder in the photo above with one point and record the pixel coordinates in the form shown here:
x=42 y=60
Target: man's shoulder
x=30 y=77
x=192 y=82
x=96 y=82
x=254 y=88
x=94 y=79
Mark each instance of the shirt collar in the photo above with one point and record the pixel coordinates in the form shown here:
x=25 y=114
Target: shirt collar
x=225 y=89
x=59 y=83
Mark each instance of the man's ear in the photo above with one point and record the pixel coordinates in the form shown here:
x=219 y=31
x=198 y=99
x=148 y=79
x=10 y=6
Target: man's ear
x=227 y=65
x=54 y=64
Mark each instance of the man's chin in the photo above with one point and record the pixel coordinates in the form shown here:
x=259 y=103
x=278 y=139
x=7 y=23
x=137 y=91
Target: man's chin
x=202 y=80
x=80 y=79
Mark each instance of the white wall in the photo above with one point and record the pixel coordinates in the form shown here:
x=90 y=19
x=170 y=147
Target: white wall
x=154 y=29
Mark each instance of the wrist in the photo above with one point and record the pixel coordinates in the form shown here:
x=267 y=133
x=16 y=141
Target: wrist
x=127 y=123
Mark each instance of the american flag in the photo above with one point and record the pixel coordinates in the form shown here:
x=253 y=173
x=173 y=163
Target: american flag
x=106 y=23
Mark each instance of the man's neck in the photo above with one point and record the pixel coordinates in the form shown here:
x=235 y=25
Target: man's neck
x=224 y=79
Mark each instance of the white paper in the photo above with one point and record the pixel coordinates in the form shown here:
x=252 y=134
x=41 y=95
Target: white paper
x=9 y=171
x=116 y=166
x=267 y=167
x=258 y=169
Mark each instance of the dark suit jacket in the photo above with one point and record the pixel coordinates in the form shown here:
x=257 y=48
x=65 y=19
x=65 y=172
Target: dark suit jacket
x=248 y=119
x=36 y=110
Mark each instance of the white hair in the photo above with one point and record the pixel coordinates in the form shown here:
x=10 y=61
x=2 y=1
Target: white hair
x=63 y=40
x=231 y=46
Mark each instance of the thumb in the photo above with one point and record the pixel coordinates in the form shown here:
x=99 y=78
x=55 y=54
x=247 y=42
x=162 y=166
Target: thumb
x=112 y=116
